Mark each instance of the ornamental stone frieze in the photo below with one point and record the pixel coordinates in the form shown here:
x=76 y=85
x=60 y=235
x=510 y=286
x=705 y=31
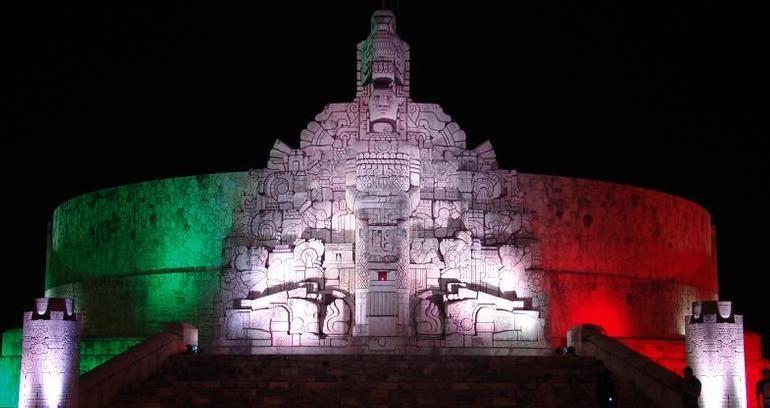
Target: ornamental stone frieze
x=50 y=355
x=382 y=231
x=715 y=352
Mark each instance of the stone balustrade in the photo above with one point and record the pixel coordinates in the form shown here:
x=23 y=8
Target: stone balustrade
x=660 y=386
x=99 y=386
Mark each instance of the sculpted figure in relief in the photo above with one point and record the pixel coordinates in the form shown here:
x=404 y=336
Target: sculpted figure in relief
x=389 y=185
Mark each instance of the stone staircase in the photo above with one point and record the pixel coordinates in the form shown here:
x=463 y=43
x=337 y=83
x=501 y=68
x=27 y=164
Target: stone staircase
x=368 y=380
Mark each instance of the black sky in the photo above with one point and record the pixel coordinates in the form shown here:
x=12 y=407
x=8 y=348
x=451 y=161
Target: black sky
x=669 y=97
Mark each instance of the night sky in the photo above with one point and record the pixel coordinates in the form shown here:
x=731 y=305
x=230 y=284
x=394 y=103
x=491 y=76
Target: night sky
x=664 y=97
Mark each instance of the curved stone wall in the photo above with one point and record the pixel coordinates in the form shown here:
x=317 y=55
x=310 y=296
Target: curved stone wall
x=590 y=226
x=139 y=255
x=622 y=257
x=626 y=258
x=151 y=227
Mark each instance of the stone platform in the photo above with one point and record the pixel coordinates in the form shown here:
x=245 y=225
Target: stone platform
x=454 y=345
x=369 y=380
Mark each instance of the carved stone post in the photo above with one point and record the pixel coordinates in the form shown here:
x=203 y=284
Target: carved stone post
x=714 y=338
x=50 y=356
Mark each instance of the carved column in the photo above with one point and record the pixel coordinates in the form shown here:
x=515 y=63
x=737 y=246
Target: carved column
x=362 y=276
x=50 y=356
x=714 y=338
x=403 y=279
x=382 y=259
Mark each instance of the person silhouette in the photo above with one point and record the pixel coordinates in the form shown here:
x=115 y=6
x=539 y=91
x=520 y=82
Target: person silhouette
x=546 y=393
x=763 y=390
x=690 y=389
x=605 y=388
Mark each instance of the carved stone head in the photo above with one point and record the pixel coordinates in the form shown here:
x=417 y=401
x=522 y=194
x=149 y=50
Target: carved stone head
x=383 y=109
x=383 y=56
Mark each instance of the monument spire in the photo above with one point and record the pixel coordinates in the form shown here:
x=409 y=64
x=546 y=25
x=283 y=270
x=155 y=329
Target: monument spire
x=383 y=57
x=382 y=231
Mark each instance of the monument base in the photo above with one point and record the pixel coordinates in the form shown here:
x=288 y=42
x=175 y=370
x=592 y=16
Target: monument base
x=455 y=344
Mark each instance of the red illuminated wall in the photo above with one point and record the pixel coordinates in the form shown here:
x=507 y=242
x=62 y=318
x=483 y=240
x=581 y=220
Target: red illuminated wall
x=754 y=364
x=671 y=355
x=627 y=259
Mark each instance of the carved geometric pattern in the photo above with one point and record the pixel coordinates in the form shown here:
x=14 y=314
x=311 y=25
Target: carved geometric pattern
x=391 y=182
x=49 y=354
x=362 y=267
x=715 y=351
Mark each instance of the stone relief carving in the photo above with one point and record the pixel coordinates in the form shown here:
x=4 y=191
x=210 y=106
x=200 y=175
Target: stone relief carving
x=715 y=351
x=424 y=250
x=49 y=354
x=337 y=321
x=429 y=316
x=381 y=223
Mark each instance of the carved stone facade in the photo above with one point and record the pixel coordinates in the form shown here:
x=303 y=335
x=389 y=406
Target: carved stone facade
x=381 y=231
x=50 y=355
x=715 y=351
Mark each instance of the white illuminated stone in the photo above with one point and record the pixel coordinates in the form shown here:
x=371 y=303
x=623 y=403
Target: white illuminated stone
x=715 y=352
x=50 y=355
x=381 y=232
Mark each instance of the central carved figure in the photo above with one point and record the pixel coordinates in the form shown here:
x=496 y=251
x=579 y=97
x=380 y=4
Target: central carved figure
x=382 y=232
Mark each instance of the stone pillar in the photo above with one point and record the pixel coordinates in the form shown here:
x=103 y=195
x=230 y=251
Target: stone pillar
x=403 y=279
x=382 y=265
x=714 y=339
x=363 y=278
x=50 y=355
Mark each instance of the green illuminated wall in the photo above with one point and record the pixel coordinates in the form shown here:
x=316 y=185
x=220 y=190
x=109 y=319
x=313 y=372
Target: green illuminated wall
x=96 y=351
x=150 y=227
x=93 y=352
x=10 y=365
x=137 y=256
x=134 y=257
x=141 y=304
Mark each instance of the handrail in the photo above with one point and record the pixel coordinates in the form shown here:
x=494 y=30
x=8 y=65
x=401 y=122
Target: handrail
x=101 y=385
x=662 y=387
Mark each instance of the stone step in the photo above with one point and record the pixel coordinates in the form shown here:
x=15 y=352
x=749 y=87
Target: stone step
x=365 y=380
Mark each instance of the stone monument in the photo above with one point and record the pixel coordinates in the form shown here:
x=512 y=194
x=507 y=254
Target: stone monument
x=50 y=355
x=381 y=232
x=715 y=352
